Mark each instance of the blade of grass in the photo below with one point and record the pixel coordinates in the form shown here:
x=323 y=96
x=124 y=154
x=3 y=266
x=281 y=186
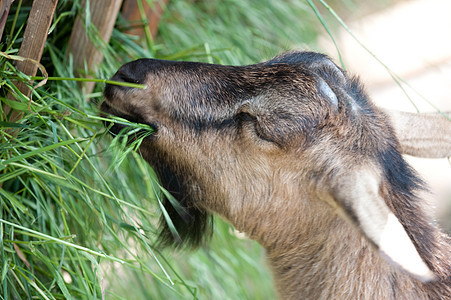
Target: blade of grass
x=4 y=163
x=324 y=24
x=47 y=237
x=120 y=83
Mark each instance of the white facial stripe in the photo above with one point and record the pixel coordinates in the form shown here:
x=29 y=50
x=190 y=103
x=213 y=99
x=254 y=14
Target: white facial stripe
x=396 y=244
x=360 y=194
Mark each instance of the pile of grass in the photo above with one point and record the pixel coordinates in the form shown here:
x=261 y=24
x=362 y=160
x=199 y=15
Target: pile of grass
x=78 y=209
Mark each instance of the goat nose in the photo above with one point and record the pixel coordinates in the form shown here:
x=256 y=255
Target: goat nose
x=131 y=72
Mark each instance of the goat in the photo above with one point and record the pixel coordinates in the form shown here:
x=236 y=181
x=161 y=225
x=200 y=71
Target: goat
x=294 y=154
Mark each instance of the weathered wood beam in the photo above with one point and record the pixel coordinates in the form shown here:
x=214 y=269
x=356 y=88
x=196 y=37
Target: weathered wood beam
x=130 y=12
x=32 y=47
x=34 y=38
x=4 y=10
x=86 y=54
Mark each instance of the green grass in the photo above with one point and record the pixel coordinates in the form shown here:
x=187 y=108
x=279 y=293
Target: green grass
x=78 y=209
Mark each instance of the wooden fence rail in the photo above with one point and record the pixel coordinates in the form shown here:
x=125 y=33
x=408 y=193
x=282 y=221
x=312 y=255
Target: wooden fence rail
x=4 y=10
x=34 y=38
x=86 y=54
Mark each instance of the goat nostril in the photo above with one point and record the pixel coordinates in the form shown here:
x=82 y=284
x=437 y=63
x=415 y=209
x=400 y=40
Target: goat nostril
x=126 y=77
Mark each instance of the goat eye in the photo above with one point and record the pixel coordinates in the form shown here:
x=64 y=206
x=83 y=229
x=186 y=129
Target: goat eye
x=249 y=124
x=245 y=117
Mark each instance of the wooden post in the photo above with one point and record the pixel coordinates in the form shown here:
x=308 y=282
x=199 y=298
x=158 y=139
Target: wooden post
x=33 y=43
x=4 y=10
x=84 y=51
x=130 y=11
x=34 y=38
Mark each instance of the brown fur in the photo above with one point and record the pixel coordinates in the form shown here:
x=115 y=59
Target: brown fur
x=270 y=148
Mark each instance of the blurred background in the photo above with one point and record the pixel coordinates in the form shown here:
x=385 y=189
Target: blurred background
x=79 y=210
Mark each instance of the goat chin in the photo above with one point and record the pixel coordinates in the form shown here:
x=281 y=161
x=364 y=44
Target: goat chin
x=295 y=155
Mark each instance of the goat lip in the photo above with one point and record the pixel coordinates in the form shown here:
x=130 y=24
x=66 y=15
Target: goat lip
x=116 y=128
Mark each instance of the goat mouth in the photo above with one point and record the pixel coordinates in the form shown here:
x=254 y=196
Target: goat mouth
x=116 y=127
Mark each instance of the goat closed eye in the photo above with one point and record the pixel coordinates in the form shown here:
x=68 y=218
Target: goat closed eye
x=248 y=125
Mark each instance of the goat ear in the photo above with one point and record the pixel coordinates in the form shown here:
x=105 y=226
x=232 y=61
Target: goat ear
x=423 y=134
x=358 y=197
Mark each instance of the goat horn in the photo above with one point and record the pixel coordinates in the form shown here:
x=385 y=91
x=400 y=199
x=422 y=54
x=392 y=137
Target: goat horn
x=423 y=134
